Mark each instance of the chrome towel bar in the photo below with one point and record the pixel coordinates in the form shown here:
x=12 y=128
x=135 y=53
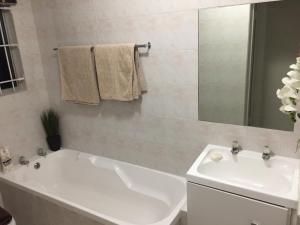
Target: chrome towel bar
x=148 y=46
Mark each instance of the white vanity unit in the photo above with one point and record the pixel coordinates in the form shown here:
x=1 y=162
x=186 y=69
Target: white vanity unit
x=242 y=189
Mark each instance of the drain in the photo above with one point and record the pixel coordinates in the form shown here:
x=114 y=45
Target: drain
x=37 y=165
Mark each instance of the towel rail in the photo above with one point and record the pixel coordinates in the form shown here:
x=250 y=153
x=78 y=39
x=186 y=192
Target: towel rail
x=148 y=46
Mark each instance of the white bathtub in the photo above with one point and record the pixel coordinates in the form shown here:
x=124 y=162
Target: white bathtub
x=105 y=190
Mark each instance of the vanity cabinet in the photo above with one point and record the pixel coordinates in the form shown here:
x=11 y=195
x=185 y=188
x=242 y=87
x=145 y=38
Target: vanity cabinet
x=208 y=206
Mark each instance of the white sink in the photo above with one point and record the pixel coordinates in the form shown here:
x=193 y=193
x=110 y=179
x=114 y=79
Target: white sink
x=247 y=174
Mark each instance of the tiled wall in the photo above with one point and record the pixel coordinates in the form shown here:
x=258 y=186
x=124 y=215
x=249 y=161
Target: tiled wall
x=160 y=131
x=20 y=127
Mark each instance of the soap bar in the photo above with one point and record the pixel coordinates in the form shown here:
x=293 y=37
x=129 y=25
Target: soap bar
x=216 y=156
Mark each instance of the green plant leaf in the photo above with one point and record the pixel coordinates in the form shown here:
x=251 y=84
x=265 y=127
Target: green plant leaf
x=50 y=121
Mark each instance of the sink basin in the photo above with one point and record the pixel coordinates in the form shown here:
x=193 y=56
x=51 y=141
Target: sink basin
x=247 y=174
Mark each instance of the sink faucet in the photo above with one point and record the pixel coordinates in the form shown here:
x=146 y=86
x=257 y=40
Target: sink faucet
x=236 y=148
x=267 y=153
x=23 y=160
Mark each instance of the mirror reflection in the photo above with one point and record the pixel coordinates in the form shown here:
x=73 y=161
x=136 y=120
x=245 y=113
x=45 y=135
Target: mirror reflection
x=244 y=52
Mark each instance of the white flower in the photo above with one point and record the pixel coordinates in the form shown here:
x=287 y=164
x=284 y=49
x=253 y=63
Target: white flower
x=296 y=84
x=291 y=82
x=287 y=101
x=287 y=109
x=294 y=74
x=288 y=104
x=287 y=81
x=295 y=67
x=287 y=92
x=298 y=61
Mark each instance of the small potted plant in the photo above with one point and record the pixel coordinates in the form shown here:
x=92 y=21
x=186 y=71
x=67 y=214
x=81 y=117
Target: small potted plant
x=50 y=121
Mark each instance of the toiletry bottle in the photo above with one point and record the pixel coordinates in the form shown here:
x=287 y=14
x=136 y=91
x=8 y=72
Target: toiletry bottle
x=5 y=159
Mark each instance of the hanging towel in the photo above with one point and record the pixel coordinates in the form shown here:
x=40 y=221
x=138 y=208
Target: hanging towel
x=78 y=75
x=120 y=76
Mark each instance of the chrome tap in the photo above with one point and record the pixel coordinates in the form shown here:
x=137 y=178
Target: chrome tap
x=267 y=153
x=23 y=160
x=236 y=148
x=41 y=152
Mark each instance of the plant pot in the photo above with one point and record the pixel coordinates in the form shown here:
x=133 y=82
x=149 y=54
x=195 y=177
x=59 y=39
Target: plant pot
x=54 y=142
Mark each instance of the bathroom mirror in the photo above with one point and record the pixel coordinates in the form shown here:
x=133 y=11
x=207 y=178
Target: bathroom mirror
x=244 y=52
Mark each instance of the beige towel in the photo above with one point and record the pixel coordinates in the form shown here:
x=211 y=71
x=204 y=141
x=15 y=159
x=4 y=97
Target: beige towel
x=78 y=75
x=119 y=74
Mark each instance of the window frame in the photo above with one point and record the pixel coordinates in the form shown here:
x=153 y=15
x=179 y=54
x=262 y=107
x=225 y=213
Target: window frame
x=16 y=80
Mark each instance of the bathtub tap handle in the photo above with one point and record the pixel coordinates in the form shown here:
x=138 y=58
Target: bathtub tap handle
x=41 y=152
x=23 y=160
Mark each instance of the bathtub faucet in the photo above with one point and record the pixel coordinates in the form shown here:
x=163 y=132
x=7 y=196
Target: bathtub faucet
x=23 y=160
x=41 y=152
